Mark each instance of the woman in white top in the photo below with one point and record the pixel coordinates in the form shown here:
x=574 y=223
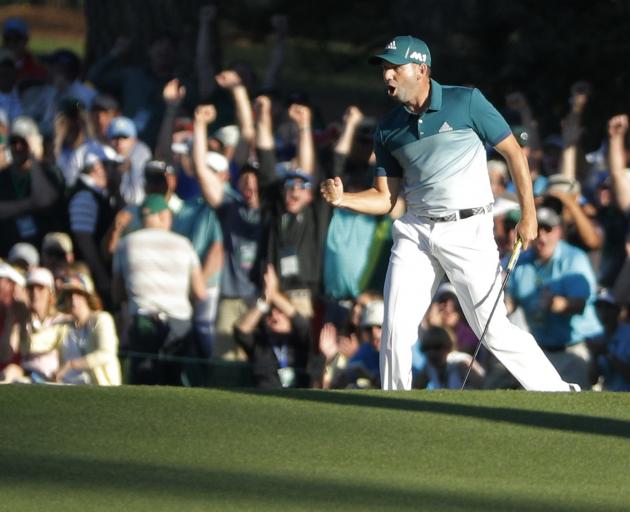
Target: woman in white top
x=88 y=353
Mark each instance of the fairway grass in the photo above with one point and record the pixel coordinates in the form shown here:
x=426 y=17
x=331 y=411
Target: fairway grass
x=168 y=449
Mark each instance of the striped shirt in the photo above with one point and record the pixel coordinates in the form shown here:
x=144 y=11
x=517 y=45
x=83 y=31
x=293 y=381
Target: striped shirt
x=156 y=266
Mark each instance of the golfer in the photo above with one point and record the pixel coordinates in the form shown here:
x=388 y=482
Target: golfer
x=431 y=148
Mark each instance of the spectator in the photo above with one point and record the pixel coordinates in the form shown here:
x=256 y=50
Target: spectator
x=89 y=350
x=275 y=337
x=30 y=190
x=103 y=110
x=555 y=284
x=12 y=299
x=133 y=153
x=580 y=228
x=36 y=334
x=297 y=220
x=357 y=246
x=363 y=367
x=240 y=218
x=157 y=272
x=445 y=367
x=446 y=312
x=23 y=256
x=139 y=87
x=9 y=96
x=91 y=213
x=15 y=36
x=611 y=350
x=337 y=346
x=620 y=189
x=58 y=256
x=42 y=103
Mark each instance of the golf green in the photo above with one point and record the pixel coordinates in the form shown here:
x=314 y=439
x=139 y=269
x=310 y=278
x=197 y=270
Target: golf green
x=179 y=449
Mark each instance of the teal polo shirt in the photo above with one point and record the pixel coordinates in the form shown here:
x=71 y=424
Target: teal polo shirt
x=441 y=154
x=568 y=273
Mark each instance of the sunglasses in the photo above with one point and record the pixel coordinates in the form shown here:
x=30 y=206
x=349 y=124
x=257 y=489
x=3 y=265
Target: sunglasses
x=545 y=228
x=292 y=183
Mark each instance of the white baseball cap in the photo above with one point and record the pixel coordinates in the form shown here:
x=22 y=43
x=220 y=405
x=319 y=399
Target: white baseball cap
x=217 y=162
x=24 y=252
x=8 y=272
x=373 y=314
x=41 y=276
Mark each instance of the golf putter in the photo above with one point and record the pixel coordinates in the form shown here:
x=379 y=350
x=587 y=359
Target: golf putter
x=516 y=251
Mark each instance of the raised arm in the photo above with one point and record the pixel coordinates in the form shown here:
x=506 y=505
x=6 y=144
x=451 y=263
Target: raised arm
x=301 y=115
x=211 y=186
x=617 y=130
x=231 y=81
x=351 y=119
x=205 y=62
x=280 y=23
x=378 y=200
x=173 y=94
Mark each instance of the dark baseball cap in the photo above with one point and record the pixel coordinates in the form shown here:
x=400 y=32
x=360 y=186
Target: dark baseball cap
x=404 y=50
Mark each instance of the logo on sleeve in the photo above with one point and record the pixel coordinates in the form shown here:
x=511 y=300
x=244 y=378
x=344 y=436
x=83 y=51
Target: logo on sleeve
x=445 y=128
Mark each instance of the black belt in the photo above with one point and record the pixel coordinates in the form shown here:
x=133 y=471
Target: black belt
x=461 y=214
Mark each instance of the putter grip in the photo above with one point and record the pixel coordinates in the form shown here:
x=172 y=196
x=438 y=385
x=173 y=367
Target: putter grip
x=515 y=254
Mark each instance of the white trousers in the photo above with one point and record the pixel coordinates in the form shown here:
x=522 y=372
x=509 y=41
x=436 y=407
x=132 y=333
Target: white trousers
x=464 y=250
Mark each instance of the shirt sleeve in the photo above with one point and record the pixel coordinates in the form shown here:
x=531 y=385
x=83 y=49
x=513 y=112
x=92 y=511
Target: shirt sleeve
x=83 y=211
x=386 y=164
x=487 y=122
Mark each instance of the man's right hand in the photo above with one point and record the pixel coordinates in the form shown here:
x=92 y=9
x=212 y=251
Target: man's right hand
x=205 y=114
x=332 y=191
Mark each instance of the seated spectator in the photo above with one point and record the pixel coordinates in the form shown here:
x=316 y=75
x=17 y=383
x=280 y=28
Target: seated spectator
x=445 y=367
x=134 y=154
x=554 y=283
x=611 y=350
x=37 y=334
x=275 y=337
x=12 y=299
x=363 y=370
x=89 y=350
x=446 y=312
x=337 y=346
x=157 y=272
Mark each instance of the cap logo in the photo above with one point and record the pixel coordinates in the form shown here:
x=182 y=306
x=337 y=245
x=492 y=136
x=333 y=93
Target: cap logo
x=422 y=57
x=391 y=46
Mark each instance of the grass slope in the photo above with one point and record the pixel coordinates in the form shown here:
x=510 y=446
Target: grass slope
x=136 y=449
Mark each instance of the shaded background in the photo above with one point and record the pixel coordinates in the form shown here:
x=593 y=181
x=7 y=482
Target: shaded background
x=535 y=46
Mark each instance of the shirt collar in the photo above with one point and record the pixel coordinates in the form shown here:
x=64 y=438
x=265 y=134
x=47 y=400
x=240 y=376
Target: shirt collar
x=435 y=99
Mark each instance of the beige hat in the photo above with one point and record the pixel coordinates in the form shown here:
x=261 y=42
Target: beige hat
x=57 y=241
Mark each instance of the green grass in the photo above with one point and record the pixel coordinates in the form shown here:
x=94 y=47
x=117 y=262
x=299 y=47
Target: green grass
x=159 y=449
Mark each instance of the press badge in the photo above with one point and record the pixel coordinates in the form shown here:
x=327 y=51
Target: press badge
x=289 y=263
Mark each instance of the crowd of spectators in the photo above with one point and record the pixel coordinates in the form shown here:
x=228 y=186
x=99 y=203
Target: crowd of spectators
x=148 y=236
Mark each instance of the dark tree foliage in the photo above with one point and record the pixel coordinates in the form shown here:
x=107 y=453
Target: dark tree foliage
x=535 y=46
